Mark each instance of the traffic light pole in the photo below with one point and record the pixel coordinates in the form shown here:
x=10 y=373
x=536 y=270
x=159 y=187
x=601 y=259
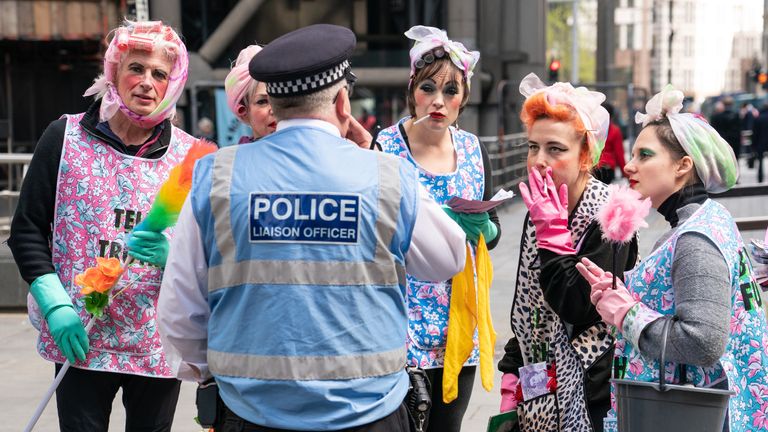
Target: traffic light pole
x=574 y=38
x=575 y=44
x=764 y=59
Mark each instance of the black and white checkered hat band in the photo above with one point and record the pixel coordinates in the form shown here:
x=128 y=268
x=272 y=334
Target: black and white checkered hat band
x=308 y=84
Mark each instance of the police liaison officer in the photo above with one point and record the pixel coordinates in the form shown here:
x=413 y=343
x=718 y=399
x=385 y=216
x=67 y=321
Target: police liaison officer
x=287 y=283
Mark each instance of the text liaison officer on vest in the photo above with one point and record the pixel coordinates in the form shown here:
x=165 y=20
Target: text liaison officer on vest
x=286 y=283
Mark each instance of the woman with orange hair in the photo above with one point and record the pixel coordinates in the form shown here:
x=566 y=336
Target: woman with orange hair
x=557 y=365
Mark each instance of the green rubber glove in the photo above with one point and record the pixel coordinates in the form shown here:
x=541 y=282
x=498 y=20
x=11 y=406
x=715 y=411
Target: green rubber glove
x=473 y=224
x=148 y=246
x=63 y=322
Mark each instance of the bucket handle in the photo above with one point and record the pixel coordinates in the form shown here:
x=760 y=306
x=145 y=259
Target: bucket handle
x=662 y=368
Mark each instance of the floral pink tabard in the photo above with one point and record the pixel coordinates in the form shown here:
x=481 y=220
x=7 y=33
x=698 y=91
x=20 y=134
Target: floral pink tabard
x=101 y=196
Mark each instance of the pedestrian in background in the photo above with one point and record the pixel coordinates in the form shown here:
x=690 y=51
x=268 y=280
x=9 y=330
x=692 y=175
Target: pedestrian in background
x=558 y=333
x=207 y=129
x=698 y=278
x=451 y=162
x=747 y=115
x=92 y=177
x=613 y=153
x=728 y=124
x=286 y=284
x=368 y=120
x=248 y=99
x=760 y=140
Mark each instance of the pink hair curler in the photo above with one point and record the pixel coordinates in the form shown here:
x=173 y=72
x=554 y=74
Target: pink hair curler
x=141 y=43
x=148 y=27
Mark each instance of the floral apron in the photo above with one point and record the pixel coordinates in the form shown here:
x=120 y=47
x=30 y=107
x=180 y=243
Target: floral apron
x=429 y=301
x=745 y=361
x=101 y=195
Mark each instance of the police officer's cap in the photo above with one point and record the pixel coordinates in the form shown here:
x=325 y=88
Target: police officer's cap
x=304 y=61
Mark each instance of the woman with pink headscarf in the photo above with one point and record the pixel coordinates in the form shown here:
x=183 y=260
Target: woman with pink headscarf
x=92 y=178
x=247 y=98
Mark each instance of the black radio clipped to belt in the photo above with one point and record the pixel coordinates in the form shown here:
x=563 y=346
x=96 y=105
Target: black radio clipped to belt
x=207 y=401
x=418 y=399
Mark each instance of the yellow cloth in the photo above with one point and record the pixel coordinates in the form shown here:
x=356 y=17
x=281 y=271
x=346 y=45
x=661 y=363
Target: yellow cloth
x=469 y=310
x=486 y=332
x=461 y=328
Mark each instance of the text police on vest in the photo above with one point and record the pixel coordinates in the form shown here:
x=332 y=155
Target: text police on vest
x=304 y=217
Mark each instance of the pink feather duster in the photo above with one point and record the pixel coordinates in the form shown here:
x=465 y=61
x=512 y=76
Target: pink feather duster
x=623 y=214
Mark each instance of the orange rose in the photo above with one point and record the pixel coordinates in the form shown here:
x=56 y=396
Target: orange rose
x=90 y=280
x=100 y=278
x=80 y=281
x=109 y=266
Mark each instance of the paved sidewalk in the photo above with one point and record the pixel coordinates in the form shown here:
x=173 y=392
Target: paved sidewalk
x=24 y=376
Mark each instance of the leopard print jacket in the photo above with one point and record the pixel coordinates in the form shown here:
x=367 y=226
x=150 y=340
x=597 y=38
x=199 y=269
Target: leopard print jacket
x=543 y=335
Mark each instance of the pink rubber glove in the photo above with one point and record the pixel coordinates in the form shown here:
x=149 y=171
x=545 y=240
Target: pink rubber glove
x=612 y=304
x=508 y=392
x=548 y=211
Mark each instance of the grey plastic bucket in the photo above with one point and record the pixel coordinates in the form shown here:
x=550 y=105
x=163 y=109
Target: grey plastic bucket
x=652 y=407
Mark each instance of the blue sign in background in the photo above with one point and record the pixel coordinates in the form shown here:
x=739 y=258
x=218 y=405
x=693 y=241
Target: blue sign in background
x=228 y=128
x=304 y=217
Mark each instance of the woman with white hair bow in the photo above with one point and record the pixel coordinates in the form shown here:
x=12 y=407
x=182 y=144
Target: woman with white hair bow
x=451 y=162
x=698 y=279
x=248 y=99
x=92 y=177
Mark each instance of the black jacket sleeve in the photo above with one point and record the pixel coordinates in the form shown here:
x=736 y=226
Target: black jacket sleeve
x=488 y=193
x=512 y=359
x=32 y=223
x=513 y=356
x=565 y=290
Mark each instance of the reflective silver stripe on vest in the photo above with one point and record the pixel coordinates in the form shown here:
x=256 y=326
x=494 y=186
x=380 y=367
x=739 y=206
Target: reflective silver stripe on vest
x=379 y=271
x=302 y=368
x=220 y=191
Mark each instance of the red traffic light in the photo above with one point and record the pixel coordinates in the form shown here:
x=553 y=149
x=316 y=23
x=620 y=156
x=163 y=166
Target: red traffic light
x=554 y=65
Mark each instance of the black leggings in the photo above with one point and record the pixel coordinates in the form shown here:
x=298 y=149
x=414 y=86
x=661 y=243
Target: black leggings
x=447 y=417
x=84 y=401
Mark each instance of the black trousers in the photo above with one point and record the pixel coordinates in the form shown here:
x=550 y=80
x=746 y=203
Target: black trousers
x=445 y=417
x=84 y=401
x=396 y=422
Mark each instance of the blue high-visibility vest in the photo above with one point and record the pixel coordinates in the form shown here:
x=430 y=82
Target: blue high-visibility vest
x=305 y=236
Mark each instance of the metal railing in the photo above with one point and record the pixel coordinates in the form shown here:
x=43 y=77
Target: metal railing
x=751 y=222
x=10 y=193
x=508 y=162
x=508 y=155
